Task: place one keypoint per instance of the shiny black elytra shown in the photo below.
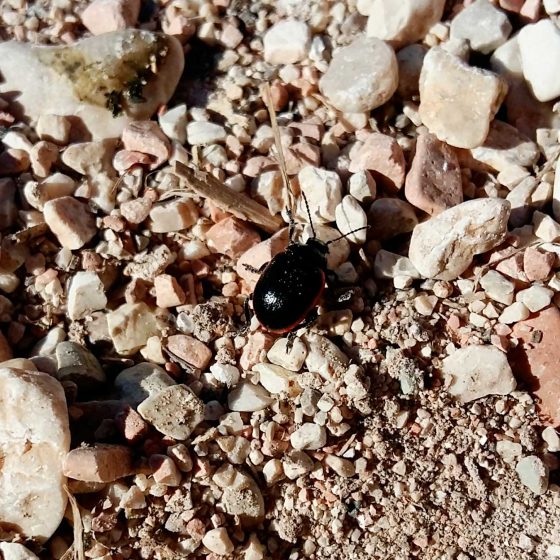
(290, 286)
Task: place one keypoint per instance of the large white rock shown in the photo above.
(362, 76)
(483, 25)
(403, 22)
(539, 46)
(77, 80)
(457, 101)
(478, 371)
(34, 439)
(443, 247)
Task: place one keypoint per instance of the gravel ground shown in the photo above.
(151, 153)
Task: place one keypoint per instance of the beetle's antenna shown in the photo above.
(308, 214)
(347, 234)
(278, 143)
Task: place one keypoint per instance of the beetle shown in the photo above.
(291, 285)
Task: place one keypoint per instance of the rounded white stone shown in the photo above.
(362, 76)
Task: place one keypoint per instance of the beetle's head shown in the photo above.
(318, 246)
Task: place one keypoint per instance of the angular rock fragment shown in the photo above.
(86, 294)
(444, 246)
(457, 101)
(137, 383)
(478, 371)
(404, 22)
(70, 221)
(130, 326)
(483, 25)
(174, 411)
(535, 360)
(433, 182)
(99, 463)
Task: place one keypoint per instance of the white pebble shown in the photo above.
(533, 473)
(362, 76)
(351, 216)
(535, 297)
(286, 42)
(514, 313)
(539, 46)
(309, 436)
(247, 397)
(204, 132)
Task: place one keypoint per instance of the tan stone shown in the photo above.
(231, 237)
(190, 350)
(70, 221)
(383, 156)
(457, 101)
(174, 411)
(34, 438)
(98, 463)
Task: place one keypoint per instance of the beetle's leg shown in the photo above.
(291, 337)
(254, 269)
(248, 316)
(309, 319)
(291, 225)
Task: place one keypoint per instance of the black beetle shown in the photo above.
(288, 291)
(291, 285)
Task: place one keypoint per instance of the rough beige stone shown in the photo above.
(403, 22)
(174, 411)
(130, 326)
(443, 247)
(478, 371)
(70, 221)
(190, 350)
(483, 25)
(457, 101)
(362, 76)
